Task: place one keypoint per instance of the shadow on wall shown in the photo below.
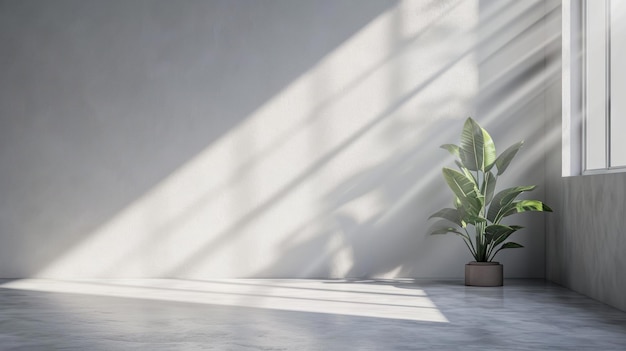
(103, 100)
(228, 139)
(376, 219)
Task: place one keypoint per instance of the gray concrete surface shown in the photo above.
(302, 315)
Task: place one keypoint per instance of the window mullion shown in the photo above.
(607, 76)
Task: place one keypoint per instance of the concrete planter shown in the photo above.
(483, 274)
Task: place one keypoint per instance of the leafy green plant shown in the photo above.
(475, 204)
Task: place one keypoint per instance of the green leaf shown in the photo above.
(461, 186)
(462, 213)
(450, 214)
(518, 190)
(489, 186)
(466, 171)
(464, 189)
(495, 231)
(453, 149)
(489, 151)
(472, 146)
(502, 200)
(510, 245)
(440, 227)
(502, 162)
(477, 150)
(524, 206)
(532, 205)
(500, 239)
(472, 219)
(507, 245)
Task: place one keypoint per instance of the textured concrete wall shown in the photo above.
(257, 139)
(586, 252)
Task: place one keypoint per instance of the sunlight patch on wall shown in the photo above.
(284, 192)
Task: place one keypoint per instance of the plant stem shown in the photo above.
(473, 249)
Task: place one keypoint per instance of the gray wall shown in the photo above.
(258, 139)
(586, 248)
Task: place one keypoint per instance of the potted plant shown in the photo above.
(477, 206)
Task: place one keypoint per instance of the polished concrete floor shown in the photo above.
(302, 315)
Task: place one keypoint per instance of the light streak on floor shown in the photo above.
(315, 296)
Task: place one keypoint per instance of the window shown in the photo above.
(603, 85)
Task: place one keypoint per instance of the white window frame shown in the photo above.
(575, 117)
(571, 141)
